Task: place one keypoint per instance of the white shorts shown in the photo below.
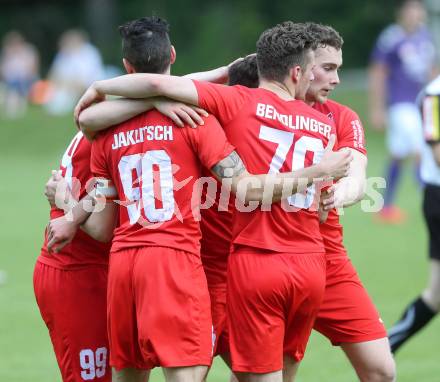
(404, 133)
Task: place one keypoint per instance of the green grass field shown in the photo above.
(391, 260)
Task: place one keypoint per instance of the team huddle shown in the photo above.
(217, 192)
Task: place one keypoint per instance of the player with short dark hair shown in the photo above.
(244, 72)
(274, 55)
(134, 49)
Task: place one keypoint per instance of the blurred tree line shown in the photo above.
(206, 33)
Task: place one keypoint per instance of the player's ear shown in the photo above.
(172, 55)
(128, 67)
(295, 73)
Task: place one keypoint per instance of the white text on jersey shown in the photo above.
(301, 122)
(146, 133)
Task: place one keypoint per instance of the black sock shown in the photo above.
(415, 317)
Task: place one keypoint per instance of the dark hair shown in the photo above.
(146, 44)
(282, 47)
(244, 72)
(325, 35)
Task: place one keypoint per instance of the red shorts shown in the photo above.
(347, 314)
(273, 299)
(73, 306)
(159, 312)
(218, 309)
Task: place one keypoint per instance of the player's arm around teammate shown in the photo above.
(138, 85)
(147, 85)
(104, 114)
(249, 187)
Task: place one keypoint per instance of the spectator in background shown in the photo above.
(77, 64)
(19, 67)
(402, 62)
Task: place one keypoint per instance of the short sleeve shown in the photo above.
(98, 163)
(350, 131)
(225, 102)
(209, 142)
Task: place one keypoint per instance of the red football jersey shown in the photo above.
(83, 250)
(272, 135)
(154, 166)
(350, 133)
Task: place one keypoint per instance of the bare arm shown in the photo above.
(107, 113)
(283, 185)
(101, 223)
(144, 85)
(62, 230)
(139, 85)
(217, 76)
(93, 206)
(102, 115)
(248, 187)
(350, 189)
(377, 74)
